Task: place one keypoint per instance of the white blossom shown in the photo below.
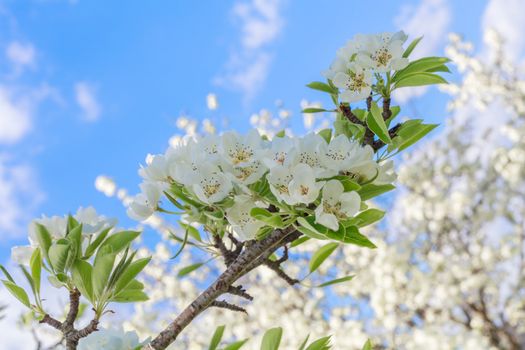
(336, 205)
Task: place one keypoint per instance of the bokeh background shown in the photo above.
(90, 87)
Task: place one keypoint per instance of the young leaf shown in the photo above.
(320, 344)
(29, 279)
(120, 240)
(192, 231)
(130, 273)
(303, 344)
(317, 85)
(369, 191)
(101, 272)
(236, 346)
(368, 345)
(130, 296)
(17, 292)
(376, 123)
(410, 136)
(216, 338)
(421, 65)
(411, 47)
(307, 229)
(420, 79)
(6, 273)
(321, 255)
(35, 264)
(335, 281)
(82, 275)
(326, 134)
(43, 238)
(90, 250)
(189, 269)
(350, 235)
(314, 110)
(369, 216)
(58, 255)
(272, 339)
(271, 219)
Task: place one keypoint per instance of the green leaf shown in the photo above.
(35, 264)
(321, 255)
(29, 279)
(184, 241)
(376, 123)
(349, 129)
(17, 292)
(271, 219)
(326, 134)
(216, 338)
(130, 273)
(307, 229)
(130, 296)
(189, 269)
(6, 273)
(101, 272)
(314, 110)
(71, 224)
(305, 341)
(317, 85)
(43, 238)
(370, 190)
(411, 47)
(350, 235)
(192, 231)
(420, 79)
(335, 281)
(420, 66)
(369, 216)
(347, 182)
(58, 255)
(90, 250)
(368, 345)
(82, 275)
(120, 240)
(320, 344)
(299, 241)
(236, 346)
(410, 134)
(272, 339)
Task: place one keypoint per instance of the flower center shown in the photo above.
(240, 154)
(304, 190)
(382, 57)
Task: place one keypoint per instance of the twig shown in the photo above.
(225, 305)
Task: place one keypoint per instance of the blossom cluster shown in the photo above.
(361, 58)
(92, 223)
(229, 171)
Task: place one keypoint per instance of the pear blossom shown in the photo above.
(336, 205)
(383, 52)
(242, 223)
(240, 150)
(310, 150)
(92, 224)
(280, 152)
(211, 185)
(356, 83)
(279, 178)
(145, 203)
(304, 188)
(156, 168)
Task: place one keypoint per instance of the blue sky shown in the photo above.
(91, 87)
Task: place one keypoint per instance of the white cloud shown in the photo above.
(19, 195)
(431, 19)
(15, 118)
(260, 25)
(86, 99)
(21, 54)
(506, 18)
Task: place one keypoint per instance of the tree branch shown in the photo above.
(252, 256)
